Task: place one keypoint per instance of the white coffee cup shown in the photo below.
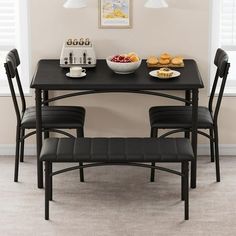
(76, 71)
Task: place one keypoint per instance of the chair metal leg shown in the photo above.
(211, 131)
(50, 182)
(22, 146)
(17, 152)
(217, 161)
(185, 172)
(187, 134)
(46, 134)
(154, 133)
(47, 189)
(80, 133)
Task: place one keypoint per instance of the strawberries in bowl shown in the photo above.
(124, 64)
(121, 59)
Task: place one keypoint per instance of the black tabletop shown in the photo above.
(50, 76)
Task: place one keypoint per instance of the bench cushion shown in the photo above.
(120, 150)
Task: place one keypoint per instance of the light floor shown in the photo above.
(118, 201)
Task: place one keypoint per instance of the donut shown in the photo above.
(164, 61)
(177, 61)
(165, 56)
(152, 60)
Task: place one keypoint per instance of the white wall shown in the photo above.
(181, 29)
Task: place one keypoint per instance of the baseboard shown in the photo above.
(9, 150)
(224, 149)
(203, 150)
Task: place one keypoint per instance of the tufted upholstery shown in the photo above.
(120, 150)
(61, 117)
(178, 117)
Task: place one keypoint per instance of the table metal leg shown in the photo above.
(187, 97)
(194, 138)
(45, 98)
(38, 100)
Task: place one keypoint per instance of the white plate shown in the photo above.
(83, 74)
(153, 73)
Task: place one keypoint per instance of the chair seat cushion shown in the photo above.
(178, 117)
(120, 150)
(61, 117)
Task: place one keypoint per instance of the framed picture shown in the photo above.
(115, 14)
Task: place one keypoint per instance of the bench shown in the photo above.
(117, 151)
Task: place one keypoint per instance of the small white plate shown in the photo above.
(83, 74)
(153, 73)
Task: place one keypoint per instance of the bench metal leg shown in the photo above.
(80, 133)
(185, 169)
(182, 182)
(152, 178)
(47, 189)
(154, 133)
(81, 172)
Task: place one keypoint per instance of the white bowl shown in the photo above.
(123, 68)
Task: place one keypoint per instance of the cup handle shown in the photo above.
(84, 70)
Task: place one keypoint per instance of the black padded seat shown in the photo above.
(116, 151)
(121, 150)
(62, 117)
(179, 117)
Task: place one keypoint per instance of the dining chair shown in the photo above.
(54, 118)
(179, 118)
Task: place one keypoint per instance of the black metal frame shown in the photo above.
(184, 180)
(187, 100)
(13, 61)
(221, 61)
(145, 92)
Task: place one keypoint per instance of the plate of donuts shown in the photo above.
(165, 60)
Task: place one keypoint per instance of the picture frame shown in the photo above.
(115, 14)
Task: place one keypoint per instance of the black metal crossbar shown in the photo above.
(116, 164)
(116, 91)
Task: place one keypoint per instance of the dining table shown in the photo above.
(49, 76)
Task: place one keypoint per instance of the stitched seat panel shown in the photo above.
(116, 150)
(178, 117)
(55, 117)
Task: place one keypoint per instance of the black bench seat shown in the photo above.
(116, 150)
(123, 151)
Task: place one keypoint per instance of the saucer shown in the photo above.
(83, 74)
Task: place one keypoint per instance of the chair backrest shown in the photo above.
(12, 62)
(221, 62)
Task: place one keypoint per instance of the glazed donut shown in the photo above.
(177, 61)
(165, 56)
(152, 60)
(164, 61)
